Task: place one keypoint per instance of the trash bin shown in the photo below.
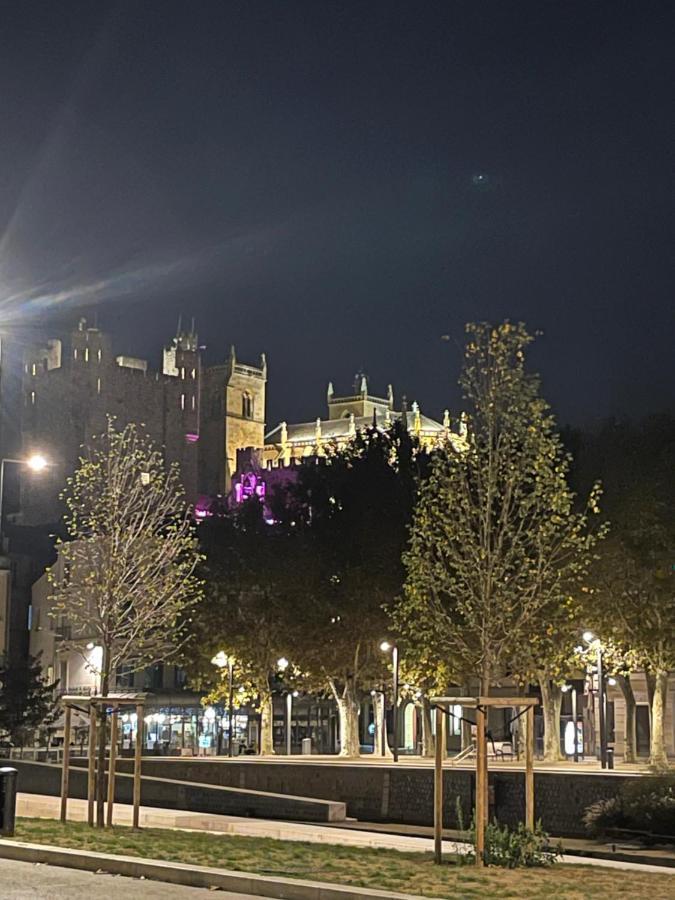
(306, 746)
(7, 801)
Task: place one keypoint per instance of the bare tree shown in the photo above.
(127, 571)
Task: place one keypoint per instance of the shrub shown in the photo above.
(644, 804)
(520, 847)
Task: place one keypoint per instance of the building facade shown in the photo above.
(346, 415)
(200, 415)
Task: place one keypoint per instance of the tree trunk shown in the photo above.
(101, 736)
(348, 709)
(485, 678)
(428, 743)
(380, 746)
(629, 724)
(650, 679)
(658, 758)
(266, 727)
(551, 696)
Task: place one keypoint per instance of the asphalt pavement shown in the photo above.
(29, 881)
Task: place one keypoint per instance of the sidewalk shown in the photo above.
(355, 834)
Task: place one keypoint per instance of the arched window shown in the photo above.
(247, 406)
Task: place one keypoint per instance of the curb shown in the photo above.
(191, 876)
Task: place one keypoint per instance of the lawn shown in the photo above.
(413, 873)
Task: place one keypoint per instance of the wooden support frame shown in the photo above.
(482, 706)
(90, 706)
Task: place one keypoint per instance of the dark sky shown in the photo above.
(339, 184)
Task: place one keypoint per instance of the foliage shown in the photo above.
(632, 602)
(244, 612)
(126, 574)
(352, 527)
(498, 548)
(645, 804)
(27, 699)
(517, 848)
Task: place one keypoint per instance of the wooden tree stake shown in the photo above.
(438, 784)
(65, 771)
(137, 765)
(529, 770)
(111, 768)
(91, 767)
(481, 785)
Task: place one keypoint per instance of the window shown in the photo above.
(32, 397)
(86, 354)
(194, 373)
(98, 385)
(247, 406)
(75, 353)
(33, 369)
(182, 401)
(192, 402)
(98, 354)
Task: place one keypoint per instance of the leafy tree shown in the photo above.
(27, 699)
(497, 545)
(632, 604)
(244, 612)
(126, 574)
(352, 527)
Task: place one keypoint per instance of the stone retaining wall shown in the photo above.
(405, 794)
(172, 793)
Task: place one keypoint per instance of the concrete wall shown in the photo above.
(43, 778)
(405, 794)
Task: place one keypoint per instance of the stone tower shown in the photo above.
(233, 419)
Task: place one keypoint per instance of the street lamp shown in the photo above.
(221, 660)
(282, 665)
(592, 640)
(385, 647)
(36, 463)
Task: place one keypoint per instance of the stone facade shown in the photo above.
(198, 414)
(348, 414)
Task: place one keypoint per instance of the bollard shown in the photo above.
(7, 801)
(610, 757)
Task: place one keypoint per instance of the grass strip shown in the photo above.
(412, 873)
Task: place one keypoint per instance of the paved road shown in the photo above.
(37, 882)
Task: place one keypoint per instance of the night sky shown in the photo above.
(340, 184)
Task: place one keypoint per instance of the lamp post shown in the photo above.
(592, 640)
(221, 660)
(36, 463)
(282, 665)
(385, 647)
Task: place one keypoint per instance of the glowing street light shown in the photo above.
(282, 664)
(36, 463)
